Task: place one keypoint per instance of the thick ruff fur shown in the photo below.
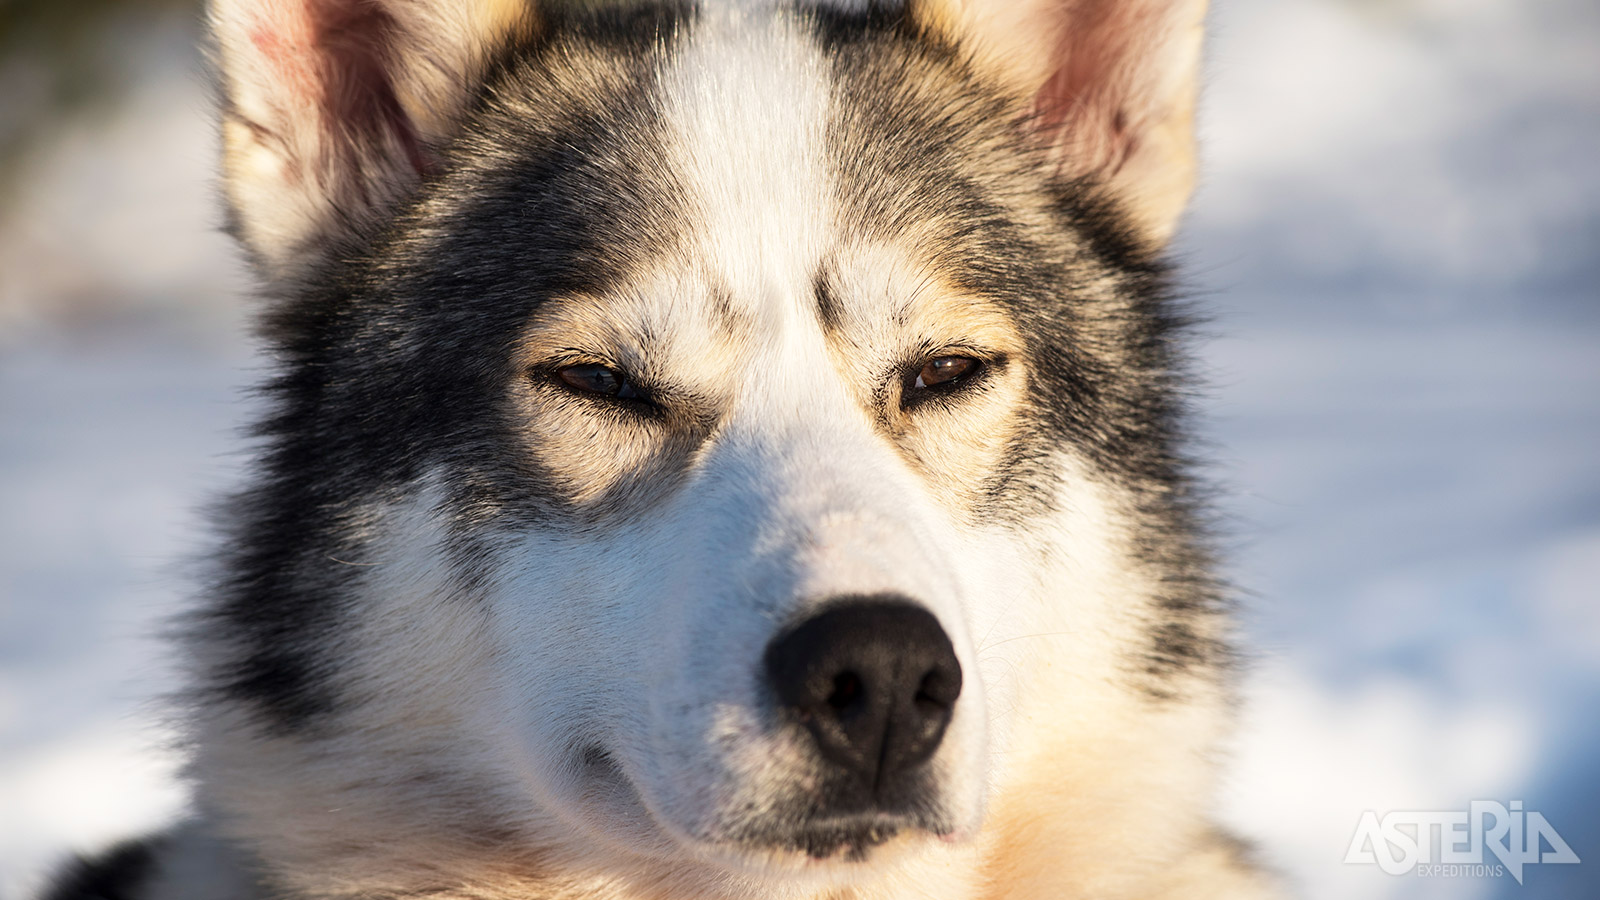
(609, 345)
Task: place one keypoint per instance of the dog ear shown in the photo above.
(1113, 86)
(332, 109)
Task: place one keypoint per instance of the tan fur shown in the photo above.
(896, 310)
(680, 351)
(695, 357)
(1098, 802)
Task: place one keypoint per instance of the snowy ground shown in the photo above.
(1399, 232)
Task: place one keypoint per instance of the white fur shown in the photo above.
(471, 708)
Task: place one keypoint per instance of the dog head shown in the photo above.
(702, 436)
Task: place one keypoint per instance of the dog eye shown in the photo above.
(591, 378)
(946, 371)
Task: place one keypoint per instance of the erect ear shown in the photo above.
(332, 109)
(1113, 85)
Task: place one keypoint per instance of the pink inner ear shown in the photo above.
(285, 43)
(335, 56)
(1092, 103)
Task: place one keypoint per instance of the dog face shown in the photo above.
(709, 443)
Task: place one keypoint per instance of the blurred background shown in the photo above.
(1398, 235)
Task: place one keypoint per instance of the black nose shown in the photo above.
(874, 679)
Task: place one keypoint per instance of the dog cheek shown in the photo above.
(561, 630)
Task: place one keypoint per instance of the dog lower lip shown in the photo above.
(848, 839)
(852, 843)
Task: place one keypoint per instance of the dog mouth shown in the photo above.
(797, 835)
(849, 840)
(607, 789)
(606, 785)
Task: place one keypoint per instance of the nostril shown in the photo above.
(938, 690)
(846, 691)
(929, 695)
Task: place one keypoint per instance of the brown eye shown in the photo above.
(946, 371)
(591, 378)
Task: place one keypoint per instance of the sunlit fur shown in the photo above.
(477, 634)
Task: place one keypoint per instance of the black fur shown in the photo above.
(120, 873)
(1109, 367)
(396, 355)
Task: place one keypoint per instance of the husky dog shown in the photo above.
(729, 451)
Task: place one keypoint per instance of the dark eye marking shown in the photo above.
(601, 381)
